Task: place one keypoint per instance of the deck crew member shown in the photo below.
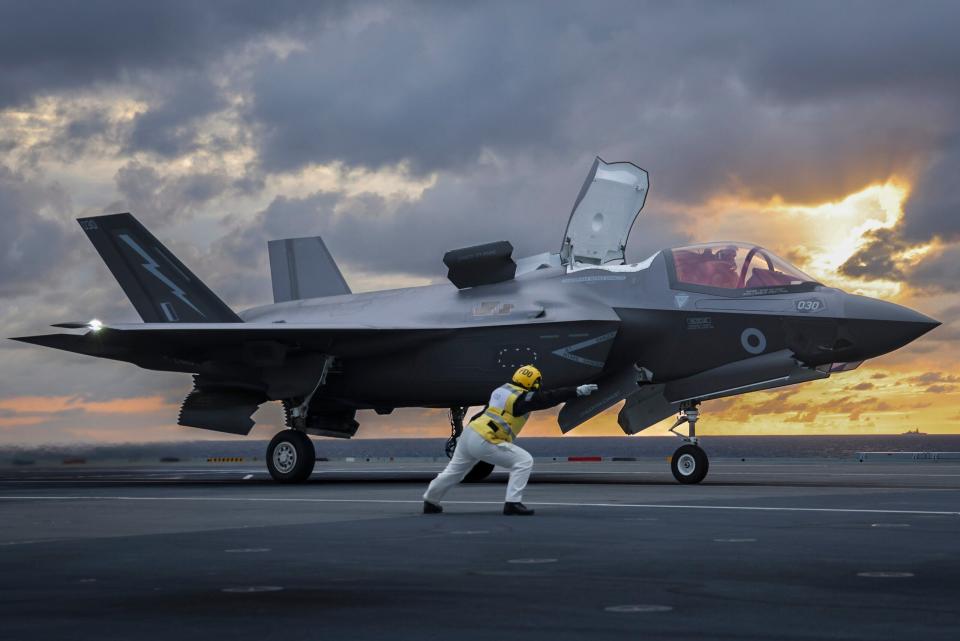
(490, 436)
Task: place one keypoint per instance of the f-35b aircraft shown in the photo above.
(686, 325)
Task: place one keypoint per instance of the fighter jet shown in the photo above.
(684, 326)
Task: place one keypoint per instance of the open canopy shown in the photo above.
(609, 201)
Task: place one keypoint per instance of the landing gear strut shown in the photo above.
(481, 470)
(689, 463)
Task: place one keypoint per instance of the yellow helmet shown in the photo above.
(527, 377)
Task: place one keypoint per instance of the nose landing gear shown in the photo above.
(689, 463)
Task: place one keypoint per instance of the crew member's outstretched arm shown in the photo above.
(538, 400)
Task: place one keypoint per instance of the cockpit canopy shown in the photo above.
(739, 268)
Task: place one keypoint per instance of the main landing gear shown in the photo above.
(481, 470)
(290, 457)
(689, 463)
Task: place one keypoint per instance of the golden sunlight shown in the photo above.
(817, 238)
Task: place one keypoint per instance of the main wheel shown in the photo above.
(479, 472)
(689, 464)
(290, 457)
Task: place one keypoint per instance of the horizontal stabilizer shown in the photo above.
(303, 268)
(160, 287)
(480, 264)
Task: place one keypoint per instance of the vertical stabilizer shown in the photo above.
(160, 287)
(303, 268)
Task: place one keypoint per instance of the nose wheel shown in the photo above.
(689, 463)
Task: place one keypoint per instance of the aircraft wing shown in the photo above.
(769, 371)
(647, 404)
(181, 346)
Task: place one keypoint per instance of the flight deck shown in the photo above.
(762, 549)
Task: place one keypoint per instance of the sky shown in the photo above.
(827, 131)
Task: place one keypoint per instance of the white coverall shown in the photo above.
(473, 448)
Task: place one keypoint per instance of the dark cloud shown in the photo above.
(33, 244)
(156, 197)
(688, 91)
(933, 209)
(169, 127)
(433, 88)
(928, 378)
(938, 271)
(54, 45)
(877, 259)
(828, 50)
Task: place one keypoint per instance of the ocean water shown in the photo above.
(831, 447)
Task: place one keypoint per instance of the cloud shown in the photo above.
(928, 378)
(51, 46)
(940, 270)
(153, 195)
(33, 244)
(877, 258)
(169, 127)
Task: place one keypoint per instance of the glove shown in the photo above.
(586, 390)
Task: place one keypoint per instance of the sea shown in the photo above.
(739, 447)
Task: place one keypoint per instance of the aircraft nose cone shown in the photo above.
(877, 327)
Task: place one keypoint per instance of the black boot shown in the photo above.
(432, 508)
(517, 508)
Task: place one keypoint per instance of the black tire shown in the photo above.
(290, 457)
(689, 464)
(479, 473)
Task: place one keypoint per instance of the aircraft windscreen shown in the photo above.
(735, 266)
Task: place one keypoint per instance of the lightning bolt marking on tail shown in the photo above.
(153, 267)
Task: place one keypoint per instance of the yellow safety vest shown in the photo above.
(498, 424)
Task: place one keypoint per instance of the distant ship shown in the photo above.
(914, 432)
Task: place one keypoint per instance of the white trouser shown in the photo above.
(472, 448)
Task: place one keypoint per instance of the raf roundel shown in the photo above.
(753, 340)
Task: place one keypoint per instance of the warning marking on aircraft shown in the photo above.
(652, 506)
(885, 575)
(247, 550)
(254, 588)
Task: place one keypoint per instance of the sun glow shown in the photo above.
(819, 238)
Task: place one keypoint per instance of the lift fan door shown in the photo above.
(609, 201)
